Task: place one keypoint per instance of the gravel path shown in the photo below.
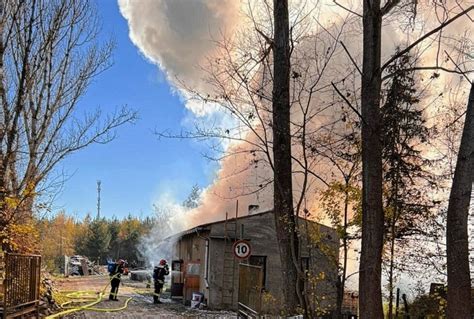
(141, 306)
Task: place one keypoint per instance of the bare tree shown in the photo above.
(50, 55)
(459, 281)
(285, 219)
(240, 82)
(372, 75)
(341, 200)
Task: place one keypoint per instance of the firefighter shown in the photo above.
(159, 274)
(115, 274)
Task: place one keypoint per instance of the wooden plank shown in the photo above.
(22, 312)
(85, 268)
(250, 286)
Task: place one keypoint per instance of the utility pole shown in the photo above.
(98, 199)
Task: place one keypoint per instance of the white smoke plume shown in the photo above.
(158, 244)
(177, 35)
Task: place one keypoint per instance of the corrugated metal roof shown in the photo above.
(190, 231)
(205, 227)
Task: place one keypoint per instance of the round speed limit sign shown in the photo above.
(242, 249)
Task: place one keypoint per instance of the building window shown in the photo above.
(260, 261)
(193, 269)
(177, 265)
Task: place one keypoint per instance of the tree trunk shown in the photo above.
(345, 247)
(3, 191)
(393, 229)
(390, 274)
(370, 292)
(283, 192)
(459, 281)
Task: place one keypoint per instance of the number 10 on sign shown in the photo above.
(242, 249)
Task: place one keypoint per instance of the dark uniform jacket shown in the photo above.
(160, 272)
(118, 271)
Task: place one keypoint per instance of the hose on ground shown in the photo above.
(75, 301)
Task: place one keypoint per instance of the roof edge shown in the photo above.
(204, 227)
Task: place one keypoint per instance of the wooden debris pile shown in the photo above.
(48, 304)
(81, 266)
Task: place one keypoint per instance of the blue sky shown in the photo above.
(137, 168)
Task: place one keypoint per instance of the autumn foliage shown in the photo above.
(98, 239)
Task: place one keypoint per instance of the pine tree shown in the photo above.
(407, 208)
(98, 240)
(114, 246)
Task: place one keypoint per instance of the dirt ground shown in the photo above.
(140, 306)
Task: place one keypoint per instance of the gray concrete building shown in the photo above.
(204, 262)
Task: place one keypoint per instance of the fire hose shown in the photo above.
(91, 298)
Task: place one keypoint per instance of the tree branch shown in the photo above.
(428, 68)
(350, 57)
(348, 102)
(458, 67)
(424, 37)
(347, 9)
(389, 6)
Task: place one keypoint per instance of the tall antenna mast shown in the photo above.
(98, 198)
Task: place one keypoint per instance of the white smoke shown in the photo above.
(178, 35)
(159, 243)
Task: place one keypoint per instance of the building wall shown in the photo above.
(259, 230)
(322, 248)
(216, 273)
(191, 249)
